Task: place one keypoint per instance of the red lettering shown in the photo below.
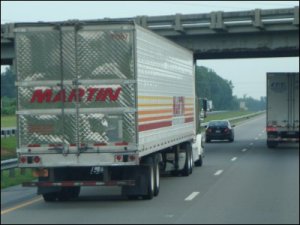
(60, 97)
(103, 93)
(100, 95)
(91, 91)
(73, 95)
(41, 96)
(114, 96)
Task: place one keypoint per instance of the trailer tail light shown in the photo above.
(271, 129)
(36, 159)
(132, 158)
(23, 159)
(118, 158)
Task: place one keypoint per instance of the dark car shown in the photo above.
(219, 130)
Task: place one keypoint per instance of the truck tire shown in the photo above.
(67, 193)
(156, 175)
(50, 197)
(149, 174)
(187, 166)
(271, 144)
(199, 161)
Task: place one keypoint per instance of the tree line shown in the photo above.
(208, 85)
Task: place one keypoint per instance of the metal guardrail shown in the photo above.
(11, 164)
(238, 117)
(8, 131)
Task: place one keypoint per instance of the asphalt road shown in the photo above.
(242, 182)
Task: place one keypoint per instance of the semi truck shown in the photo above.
(282, 125)
(103, 103)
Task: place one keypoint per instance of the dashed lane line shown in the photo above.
(192, 196)
(218, 172)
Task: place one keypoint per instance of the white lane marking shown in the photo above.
(218, 172)
(256, 138)
(243, 150)
(251, 143)
(260, 134)
(233, 159)
(192, 196)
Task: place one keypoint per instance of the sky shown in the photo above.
(247, 75)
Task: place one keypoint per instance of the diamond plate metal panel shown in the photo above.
(105, 54)
(38, 55)
(40, 129)
(102, 128)
(72, 58)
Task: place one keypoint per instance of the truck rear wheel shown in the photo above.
(67, 193)
(187, 170)
(199, 161)
(50, 197)
(149, 174)
(156, 174)
(271, 144)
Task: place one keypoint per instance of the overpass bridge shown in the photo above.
(215, 35)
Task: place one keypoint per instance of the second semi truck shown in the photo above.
(282, 108)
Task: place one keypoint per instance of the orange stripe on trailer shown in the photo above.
(189, 109)
(145, 112)
(155, 97)
(154, 105)
(154, 118)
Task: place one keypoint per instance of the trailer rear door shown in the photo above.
(76, 87)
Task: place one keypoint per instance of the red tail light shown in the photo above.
(271, 128)
(209, 130)
(226, 130)
(23, 159)
(36, 159)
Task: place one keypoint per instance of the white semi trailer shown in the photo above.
(103, 103)
(282, 108)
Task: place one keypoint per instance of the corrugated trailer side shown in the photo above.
(282, 123)
(166, 92)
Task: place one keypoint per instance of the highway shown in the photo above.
(242, 182)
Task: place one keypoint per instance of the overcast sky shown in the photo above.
(247, 75)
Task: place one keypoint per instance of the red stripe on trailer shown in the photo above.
(100, 144)
(34, 145)
(121, 143)
(55, 145)
(152, 126)
(74, 145)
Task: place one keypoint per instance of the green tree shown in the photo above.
(8, 79)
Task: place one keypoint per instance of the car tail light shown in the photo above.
(209, 130)
(226, 130)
